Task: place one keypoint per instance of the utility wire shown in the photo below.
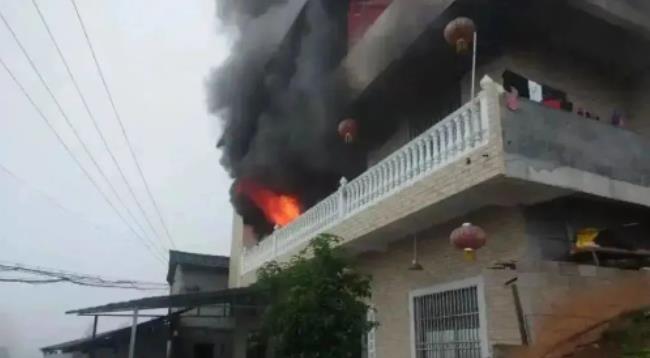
(72, 127)
(92, 118)
(119, 120)
(56, 276)
(46, 196)
(76, 160)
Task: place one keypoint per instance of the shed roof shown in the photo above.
(234, 296)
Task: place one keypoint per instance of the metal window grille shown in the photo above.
(446, 324)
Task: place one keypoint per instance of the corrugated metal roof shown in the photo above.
(234, 296)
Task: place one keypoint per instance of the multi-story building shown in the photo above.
(534, 171)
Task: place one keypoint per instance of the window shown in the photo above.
(447, 322)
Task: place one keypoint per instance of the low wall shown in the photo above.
(561, 300)
(561, 149)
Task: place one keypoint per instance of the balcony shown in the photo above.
(480, 155)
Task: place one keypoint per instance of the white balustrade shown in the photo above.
(453, 137)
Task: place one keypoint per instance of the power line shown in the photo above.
(35, 282)
(119, 120)
(55, 276)
(67, 120)
(69, 123)
(92, 118)
(53, 201)
(76, 160)
(46, 196)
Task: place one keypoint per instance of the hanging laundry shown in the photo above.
(535, 91)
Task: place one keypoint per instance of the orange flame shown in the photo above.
(280, 209)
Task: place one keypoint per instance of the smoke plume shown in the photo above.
(280, 100)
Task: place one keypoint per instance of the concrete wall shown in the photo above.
(235, 250)
(551, 226)
(631, 14)
(585, 85)
(202, 280)
(189, 279)
(562, 138)
(639, 116)
(564, 150)
(560, 300)
(392, 282)
(178, 285)
(387, 40)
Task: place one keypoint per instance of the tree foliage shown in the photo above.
(317, 304)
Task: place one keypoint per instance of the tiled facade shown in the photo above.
(442, 263)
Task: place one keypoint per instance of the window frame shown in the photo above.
(477, 282)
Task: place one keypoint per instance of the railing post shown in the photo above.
(341, 202)
(489, 98)
(275, 246)
(428, 150)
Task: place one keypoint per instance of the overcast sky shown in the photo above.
(155, 55)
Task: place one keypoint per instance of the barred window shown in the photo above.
(446, 324)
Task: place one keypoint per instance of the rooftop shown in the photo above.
(219, 263)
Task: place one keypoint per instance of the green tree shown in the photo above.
(317, 304)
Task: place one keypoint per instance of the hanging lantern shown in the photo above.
(460, 33)
(468, 238)
(348, 129)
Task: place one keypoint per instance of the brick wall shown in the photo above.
(392, 281)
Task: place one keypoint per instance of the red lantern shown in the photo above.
(460, 33)
(468, 238)
(348, 129)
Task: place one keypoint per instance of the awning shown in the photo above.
(245, 297)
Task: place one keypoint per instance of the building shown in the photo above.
(532, 170)
(196, 320)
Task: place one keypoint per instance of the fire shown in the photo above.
(280, 209)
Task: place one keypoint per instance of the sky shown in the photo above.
(155, 55)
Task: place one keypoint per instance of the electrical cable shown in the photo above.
(119, 120)
(76, 160)
(56, 276)
(72, 127)
(93, 119)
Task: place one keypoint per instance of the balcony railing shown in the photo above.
(448, 140)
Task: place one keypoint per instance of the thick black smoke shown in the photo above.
(280, 101)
